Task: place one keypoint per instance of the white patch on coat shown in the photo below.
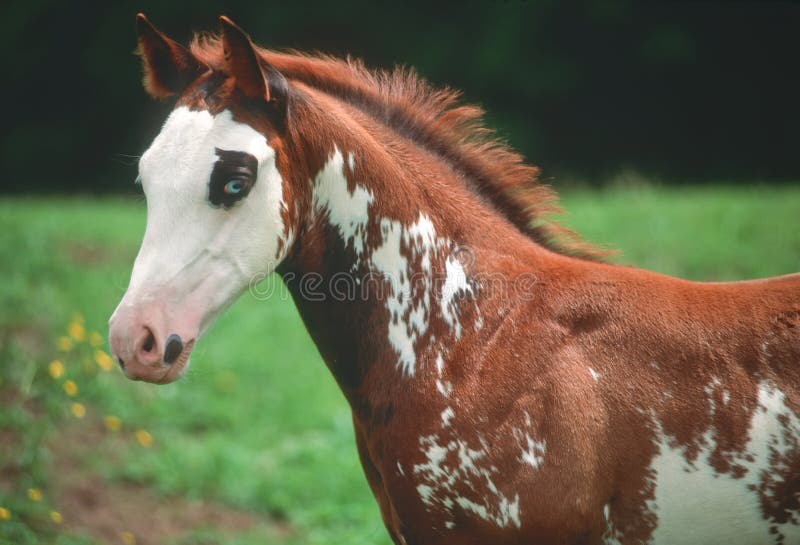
(696, 504)
(389, 260)
(404, 256)
(439, 364)
(595, 374)
(347, 211)
(532, 452)
(409, 311)
(447, 415)
(421, 235)
(455, 282)
(611, 536)
(456, 475)
(444, 387)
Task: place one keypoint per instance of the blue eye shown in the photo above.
(234, 186)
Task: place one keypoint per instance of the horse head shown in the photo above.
(217, 205)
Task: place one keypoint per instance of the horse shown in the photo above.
(507, 383)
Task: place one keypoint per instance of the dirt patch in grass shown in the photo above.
(95, 254)
(112, 512)
(9, 451)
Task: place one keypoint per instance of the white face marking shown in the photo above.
(731, 512)
(203, 256)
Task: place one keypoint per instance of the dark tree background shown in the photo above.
(681, 91)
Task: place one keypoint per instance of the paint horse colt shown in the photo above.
(506, 386)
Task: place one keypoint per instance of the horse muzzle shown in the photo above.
(148, 346)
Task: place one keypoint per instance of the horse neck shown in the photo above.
(394, 246)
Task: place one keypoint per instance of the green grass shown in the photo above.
(258, 424)
(704, 233)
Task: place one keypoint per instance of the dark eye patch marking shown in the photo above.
(232, 178)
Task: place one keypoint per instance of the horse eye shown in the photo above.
(234, 186)
(232, 177)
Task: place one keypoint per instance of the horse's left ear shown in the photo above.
(254, 76)
(168, 66)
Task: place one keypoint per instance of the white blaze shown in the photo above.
(204, 256)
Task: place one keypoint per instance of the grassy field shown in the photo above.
(255, 444)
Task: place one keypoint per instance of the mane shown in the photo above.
(436, 119)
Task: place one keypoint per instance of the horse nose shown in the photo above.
(172, 349)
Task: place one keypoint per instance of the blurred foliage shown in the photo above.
(257, 427)
(681, 91)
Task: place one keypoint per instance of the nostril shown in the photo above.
(173, 349)
(149, 342)
(121, 363)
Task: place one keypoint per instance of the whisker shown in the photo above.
(125, 159)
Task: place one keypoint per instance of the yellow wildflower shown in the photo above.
(103, 360)
(78, 410)
(127, 538)
(64, 344)
(77, 331)
(56, 517)
(144, 438)
(5, 514)
(95, 339)
(35, 494)
(56, 369)
(70, 387)
(113, 423)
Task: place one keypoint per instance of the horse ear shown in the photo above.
(168, 66)
(254, 76)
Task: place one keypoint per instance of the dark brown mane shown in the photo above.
(437, 120)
